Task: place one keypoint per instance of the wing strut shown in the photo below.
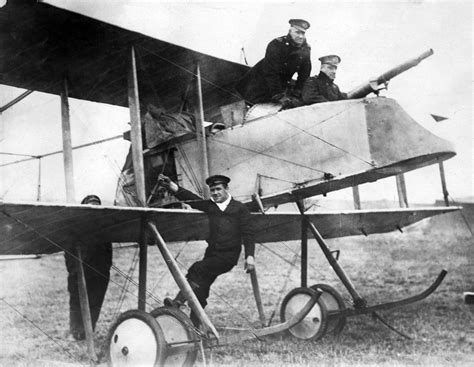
(138, 168)
(67, 145)
(358, 300)
(201, 134)
(360, 304)
(181, 280)
(85, 308)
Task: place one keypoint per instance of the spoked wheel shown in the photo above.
(136, 339)
(314, 325)
(333, 302)
(178, 330)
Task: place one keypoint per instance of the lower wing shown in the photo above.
(39, 228)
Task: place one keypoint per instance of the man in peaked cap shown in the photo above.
(230, 225)
(321, 88)
(270, 79)
(97, 261)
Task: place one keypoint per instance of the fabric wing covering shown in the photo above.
(32, 228)
(42, 43)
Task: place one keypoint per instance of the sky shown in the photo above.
(370, 37)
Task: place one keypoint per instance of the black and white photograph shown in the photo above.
(236, 183)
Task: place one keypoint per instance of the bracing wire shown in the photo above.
(42, 331)
(462, 215)
(285, 284)
(73, 255)
(279, 117)
(190, 72)
(131, 270)
(266, 155)
(233, 308)
(327, 142)
(194, 180)
(158, 281)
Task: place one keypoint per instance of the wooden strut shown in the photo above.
(443, 183)
(70, 198)
(358, 300)
(201, 134)
(138, 169)
(360, 306)
(304, 253)
(252, 334)
(38, 193)
(356, 196)
(85, 309)
(258, 298)
(181, 281)
(402, 191)
(67, 145)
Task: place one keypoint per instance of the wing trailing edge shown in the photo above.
(38, 228)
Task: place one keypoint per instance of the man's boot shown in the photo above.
(180, 298)
(177, 302)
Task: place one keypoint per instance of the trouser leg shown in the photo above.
(76, 327)
(96, 289)
(203, 273)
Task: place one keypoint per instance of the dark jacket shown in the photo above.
(227, 229)
(272, 75)
(321, 89)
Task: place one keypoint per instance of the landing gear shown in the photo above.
(136, 339)
(178, 330)
(314, 325)
(334, 303)
(164, 337)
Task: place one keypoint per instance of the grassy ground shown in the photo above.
(382, 267)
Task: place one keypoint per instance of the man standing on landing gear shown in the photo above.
(229, 226)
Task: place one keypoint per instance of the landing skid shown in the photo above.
(339, 312)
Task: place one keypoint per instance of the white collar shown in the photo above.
(223, 206)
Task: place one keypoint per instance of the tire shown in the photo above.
(177, 327)
(333, 302)
(314, 325)
(136, 338)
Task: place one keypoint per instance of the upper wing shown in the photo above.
(42, 44)
(46, 228)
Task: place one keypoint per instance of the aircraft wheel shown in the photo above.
(136, 339)
(177, 327)
(314, 325)
(333, 302)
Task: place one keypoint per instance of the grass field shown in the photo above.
(382, 268)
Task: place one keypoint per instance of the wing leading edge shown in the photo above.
(42, 44)
(36, 228)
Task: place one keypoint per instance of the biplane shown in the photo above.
(273, 156)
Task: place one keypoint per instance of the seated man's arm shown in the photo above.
(311, 93)
(303, 75)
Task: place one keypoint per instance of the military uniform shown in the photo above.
(321, 89)
(272, 75)
(97, 263)
(228, 229)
